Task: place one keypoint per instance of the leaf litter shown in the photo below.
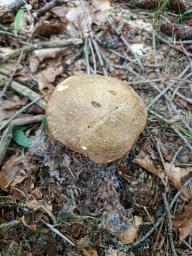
(104, 210)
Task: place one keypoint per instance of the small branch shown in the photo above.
(23, 90)
(42, 45)
(10, 79)
(56, 231)
(47, 7)
(169, 225)
(19, 112)
(10, 224)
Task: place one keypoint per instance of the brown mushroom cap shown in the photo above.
(98, 116)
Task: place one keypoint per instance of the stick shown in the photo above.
(23, 90)
(47, 7)
(18, 112)
(56, 231)
(10, 224)
(169, 225)
(42, 45)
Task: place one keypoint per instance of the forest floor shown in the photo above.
(57, 202)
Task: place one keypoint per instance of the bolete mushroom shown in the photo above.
(100, 117)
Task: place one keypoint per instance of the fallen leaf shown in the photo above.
(183, 223)
(9, 107)
(30, 226)
(11, 173)
(49, 29)
(115, 252)
(47, 53)
(146, 163)
(81, 19)
(34, 64)
(35, 204)
(90, 252)
(60, 11)
(176, 174)
(46, 78)
(131, 232)
(37, 193)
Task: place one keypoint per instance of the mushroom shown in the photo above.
(100, 117)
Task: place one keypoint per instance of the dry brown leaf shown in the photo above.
(81, 19)
(176, 174)
(34, 64)
(30, 226)
(47, 53)
(60, 11)
(9, 107)
(183, 223)
(146, 163)
(11, 173)
(100, 9)
(46, 79)
(89, 252)
(131, 233)
(49, 29)
(34, 204)
(37, 193)
(114, 252)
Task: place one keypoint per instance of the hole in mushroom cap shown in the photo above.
(114, 93)
(95, 104)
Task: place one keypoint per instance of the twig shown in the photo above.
(19, 112)
(97, 49)
(4, 142)
(93, 55)
(9, 81)
(10, 224)
(86, 53)
(31, 48)
(56, 231)
(169, 225)
(23, 90)
(126, 43)
(175, 156)
(182, 137)
(146, 236)
(167, 88)
(155, 53)
(179, 192)
(47, 7)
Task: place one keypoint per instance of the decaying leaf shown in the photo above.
(11, 173)
(174, 174)
(48, 29)
(118, 223)
(90, 252)
(9, 107)
(35, 204)
(115, 252)
(182, 32)
(131, 232)
(145, 162)
(80, 18)
(30, 226)
(47, 53)
(46, 78)
(183, 223)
